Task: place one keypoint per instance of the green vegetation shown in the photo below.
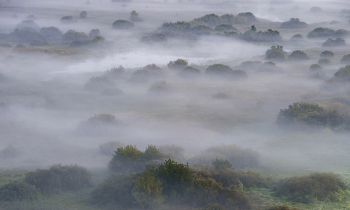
(345, 59)
(275, 53)
(134, 16)
(334, 42)
(122, 24)
(296, 38)
(327, 54)
(293, 23)
(324, 61)
(18, 191)
(178, 64)
(313, 187)
(315, 67)
(298, 55)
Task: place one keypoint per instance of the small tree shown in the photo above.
(178, 64)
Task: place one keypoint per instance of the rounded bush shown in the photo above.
(18, 191)
(345, 59)
(25, 35)
(178, 64)
(93, 33)
(99, 84)
(293, 23)
(189, 72)
(219, 70)
(315, 9)
(67, 19)
(324, 61)
(296, 38)
(298, 55)
(72, 35)
(122, 24)
(334, 42)
(226, 27)
(327, 54)
(315, 67)
(28, 24)
(275, 53)
(160, 87)
(83, 14)
(50, 32)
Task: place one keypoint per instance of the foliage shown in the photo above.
(173, 152)
(213, 206)
(321, 33)
(102, 119)
(174, 176)
(315, 67)
(211, 20)
(293, 23)
(334, 42)
(262, 36)
(28, 24)
(220, 162)
(313, 187)
(226, 176)
(345, 59)
(298, 55)
(245, 18)
(226, 27)
(83, 14)
(219, 70)
(110, 147)
(115, 72)
(9, 152)
(147, 191)
(327, 54)
(343, 74)
(284, 207)
(93, 33)
(134, 16)
(178, 64)
(201, 30)
(160, 87)
(50, 32)
(275, 53)
(18, 191)
(58, 177)
(66, 19)
(116, 190)
(189, 72)
(324, 61)
(72, 35)
(250, 178)
(296, 38)
(26, 35)
(122, 24)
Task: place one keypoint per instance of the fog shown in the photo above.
(46, 101)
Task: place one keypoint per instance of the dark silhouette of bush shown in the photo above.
(110, 147)
(189, 72)
(324, 61)
(296, 38)
(250, 178)
(83, 14)
(160, 87)
(102, 119)
(28, 24)
(9, 152)
(345, 59)
(131, 160)
(315, 67)
(7, 45)
(245, 18)
(117, 190)
(315, 9)
(67, 19)
(58, 178)
(219, 70)
(150, 70)
(99, 83)
(51, 32)
(115, 72)
(220, 162)
(267, 67)
(134, 16)
(147, 190)
(226, 175)
(16, 190)
(275, 53)
(327, 54)
(313, 187)
(262, 36)
(284, 207)
(343, 74)
(334, 42)
(225, 27)
(298, 55)
(122, 24)
(178, 64)
(211, 20)
(227, 19)
(239, 74)
(321, 33)
(25, 35)
(72, 35)
(93, 33)
(293, 23)
(341, 33)
(201, 30)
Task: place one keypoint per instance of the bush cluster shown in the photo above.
(293, 23)
(275, 53)
(334, 42)
(327, 33)
(122, 24)
(18, 191)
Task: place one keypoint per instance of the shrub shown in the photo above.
(250, 178)
(116, 190)
(110, 147)
(9, 152)
(220, 162)
(284, 207)
(334, 42)
(177, 65)
(343, 74)
(213, 206)
(293, 23)
(315, 9)
(275, 53)
(50, 32)
(67, 19)
(202, 30)
(25, 35)
(18, 191)
(211, 20)
(147, 191)
(341, 33)
(28, 24)
(160, 87)
(245, 18)
(296, 38)
(72, 35)
(134, 16)
(7, 45)
(226, 27)
(313, 187)
(46, 181)
(324, 61)
(327, 54)
(83, 14)
(321, 33)
(189, 72)
(122, 24)
(219, 70)
(227, 19)
(345, 59)
(226, 176)
(239, 74)
(93, 33)
(262, 36)
(98, 84)
(315, 67)
(298, 55)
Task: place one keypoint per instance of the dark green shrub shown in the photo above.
(293, 23)
(99, 83)
(296, 38)
(50, 32)
(235, 198)
(262, 36)
(245, 18)
(67, 20)
(177, 65)
(321, 33)
(284, 207)
(201, 30)
(175, 177)
(334, 42)
(220, 162)
(313, 187)
(275, 53)
(226, 27)
(83, 14)
(134, 16)
(226, 176)
(189, 72)
(227, 19)
(315, 67)
(26, 35)
(327, 54)
(324, 61)
(18, 191)
(345, 59)
(147, 190)
(117, 190)
(343, 74)
(115, 72)
(341, 33)
(211, 20)
(28, 24)
(110, 147)
(7, 45)
(219, 70)
(298, 55)
(44, 180)
(122, 24)
(71, 36)
(250, 178)
(213, 206)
